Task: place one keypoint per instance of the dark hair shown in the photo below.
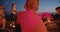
(13, 4)
(57, 8)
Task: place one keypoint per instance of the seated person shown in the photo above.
(45, 16)
(48, 20)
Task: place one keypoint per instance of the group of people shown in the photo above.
(29, 21)
(51, 20)
(3, 19)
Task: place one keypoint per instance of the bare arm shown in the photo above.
(3, 23)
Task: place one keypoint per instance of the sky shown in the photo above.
(48, 5)
(44, 5)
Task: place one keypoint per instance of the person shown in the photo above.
(45, 15)
(57, 16)
(2, 10)
(2, 18)
(28, 20)
(13, 12)
(58, 12)
(2, 22)
(13, 9)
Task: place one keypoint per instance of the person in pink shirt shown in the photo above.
(28, 20)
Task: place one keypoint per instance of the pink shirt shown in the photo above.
(30, 22)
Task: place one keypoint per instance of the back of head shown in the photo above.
(32, 4)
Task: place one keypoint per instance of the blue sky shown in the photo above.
(44, 5)
(48, 5)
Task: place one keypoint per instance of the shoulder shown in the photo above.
(21, 12)
(24, 13)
